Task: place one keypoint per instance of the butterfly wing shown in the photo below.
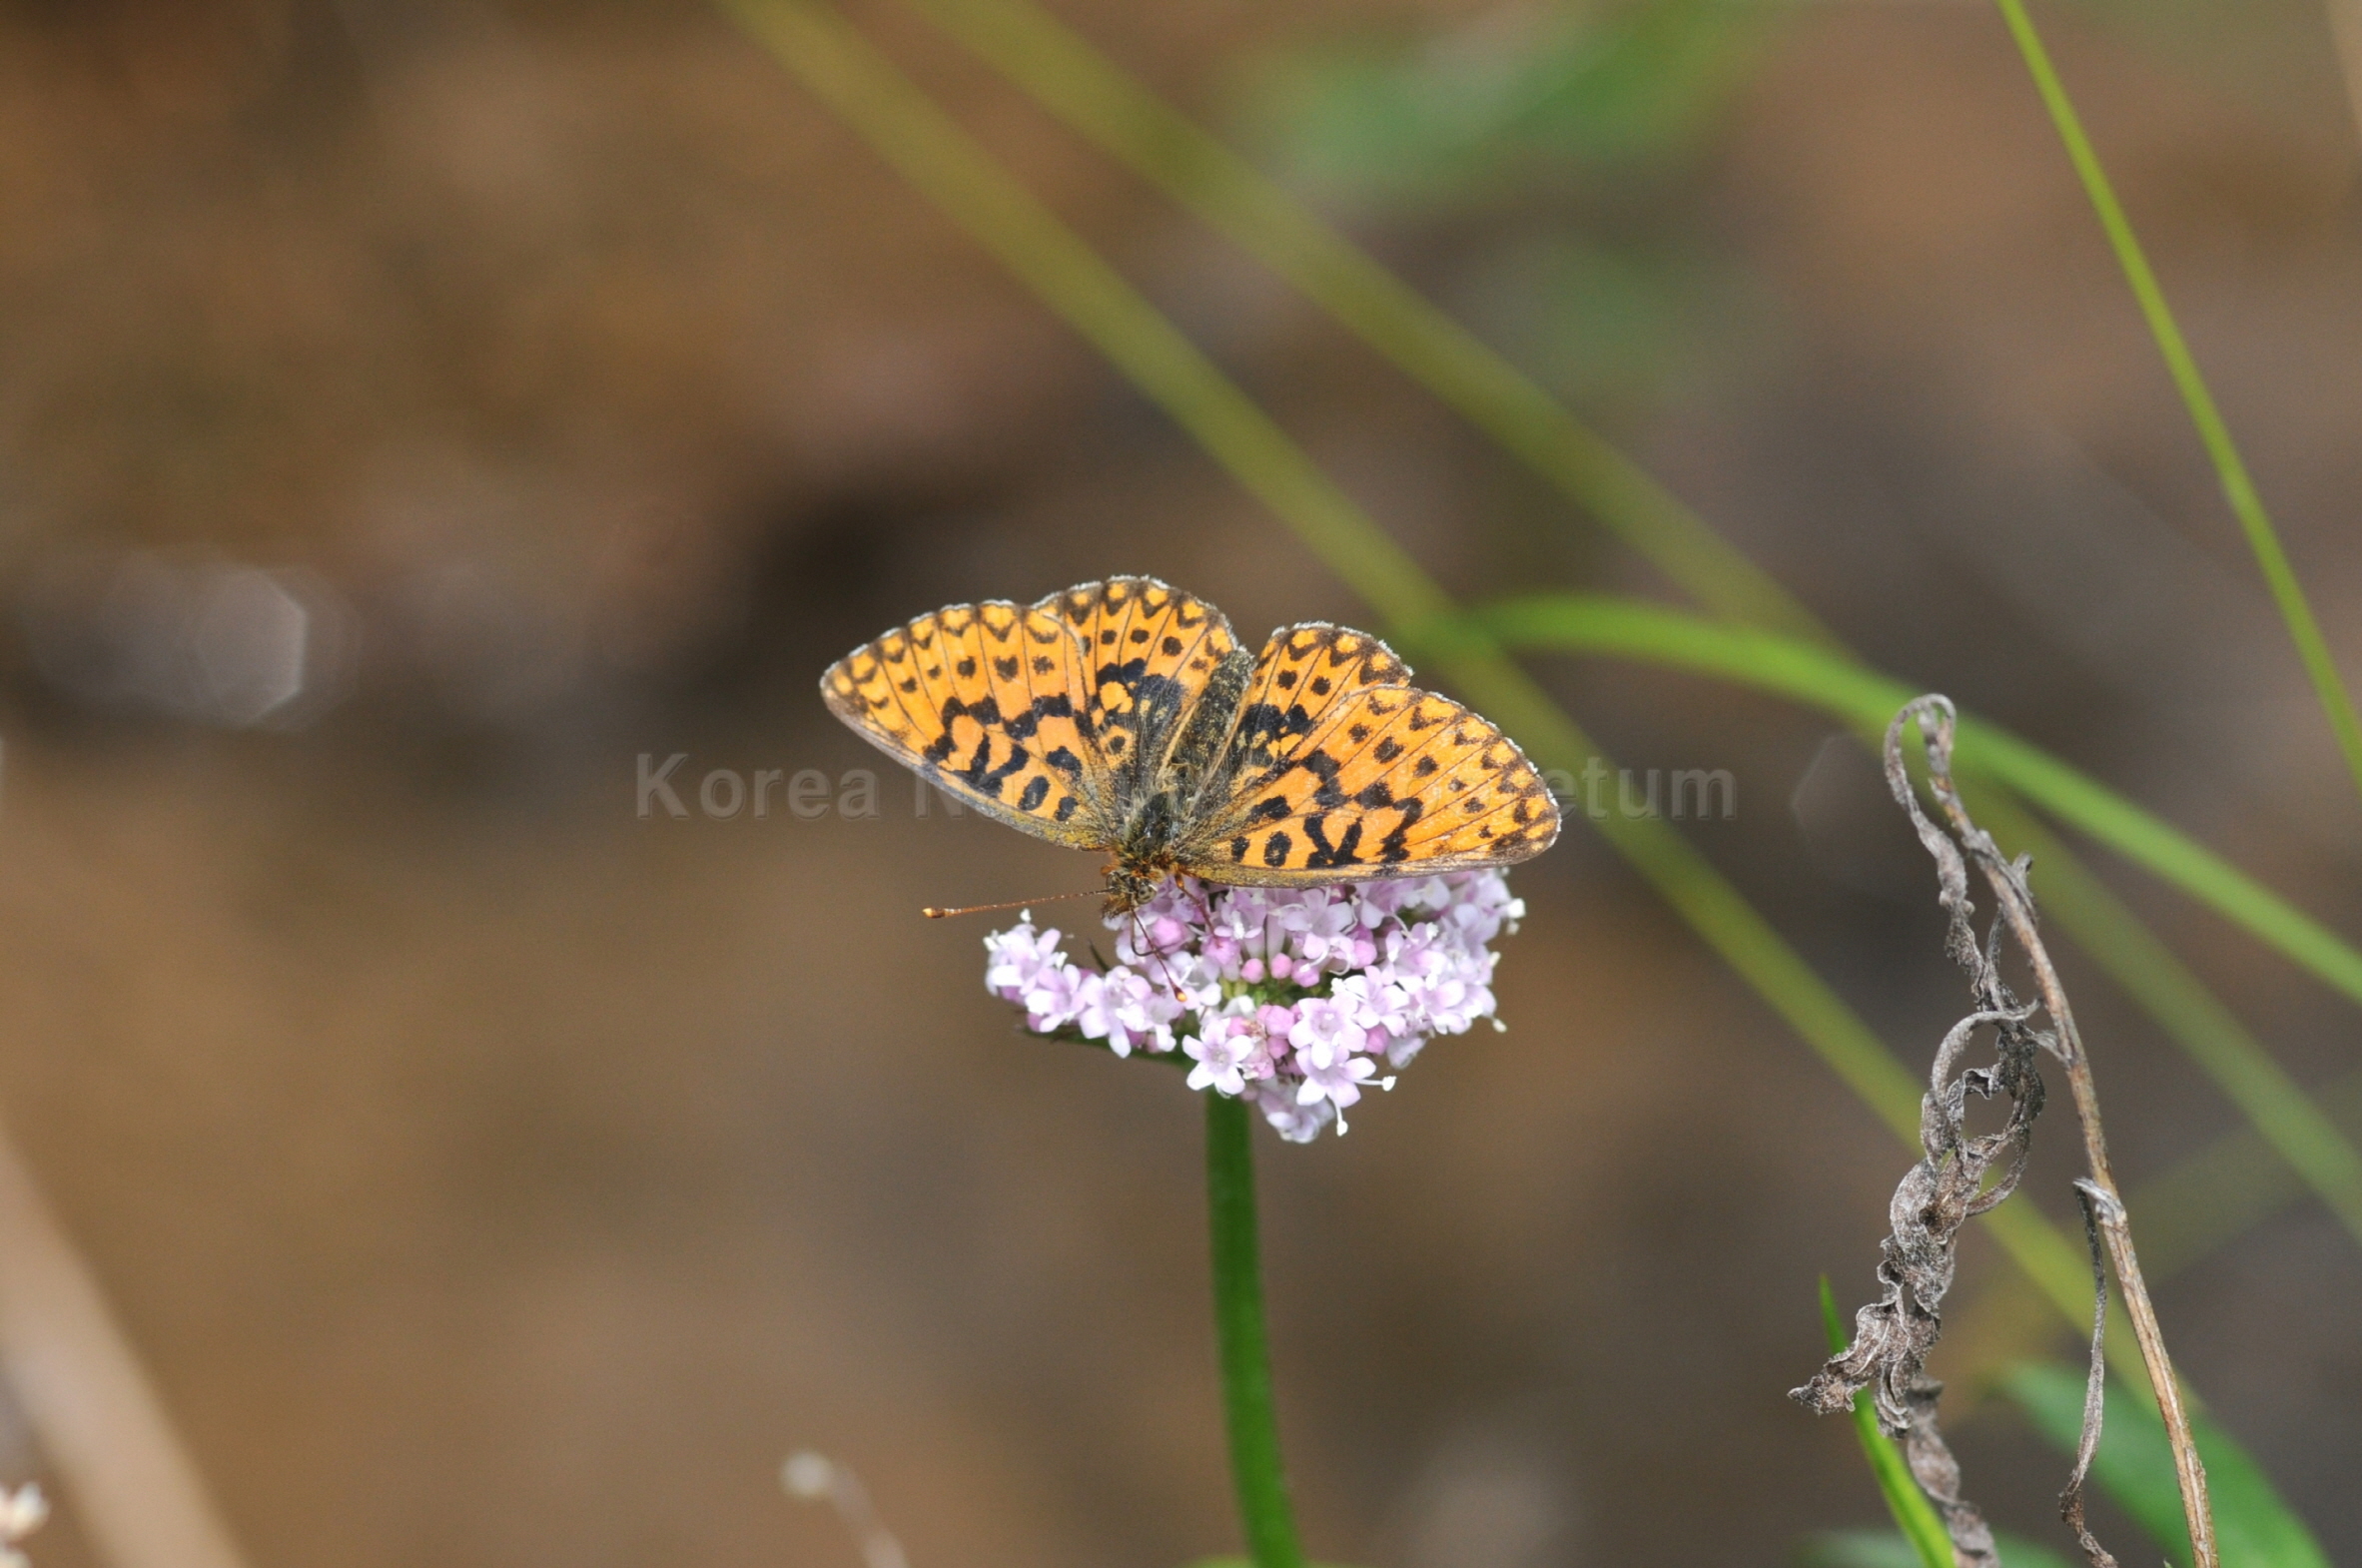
(989, 702)
(1149, 651)
(1303, 671)
(1390, 781)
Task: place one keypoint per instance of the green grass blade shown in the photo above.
(1062, 73)
(1914, 1514)
(2238, 487)
(1630, 628)
(2134, 1467)
(949, 168)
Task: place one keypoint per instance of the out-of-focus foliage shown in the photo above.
(1569, 121)
(1567, 96)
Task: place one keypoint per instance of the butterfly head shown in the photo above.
(1129, 886)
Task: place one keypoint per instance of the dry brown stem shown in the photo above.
(1893, 1335)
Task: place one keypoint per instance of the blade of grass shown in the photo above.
(1913, 1515)
(1062, 73)
(2253, 1526)
(1075, 82)
(947, 166)
(2238, 486)
(1631, 628)
(2294, 1126)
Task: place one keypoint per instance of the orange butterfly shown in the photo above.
(1124, 716)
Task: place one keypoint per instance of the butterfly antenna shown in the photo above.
(931, 913)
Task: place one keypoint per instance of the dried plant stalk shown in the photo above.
(1893, 1335)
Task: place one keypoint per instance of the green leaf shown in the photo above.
(1881, 1549)
(1924, 1538)
(2134, 1467)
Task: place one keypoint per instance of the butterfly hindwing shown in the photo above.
(1391, 781)
(1149, 651)
(991, 702)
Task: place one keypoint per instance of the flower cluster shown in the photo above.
(1290, 998)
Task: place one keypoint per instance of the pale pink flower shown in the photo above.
(1288, 998)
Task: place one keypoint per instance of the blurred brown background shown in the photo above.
(410, 413)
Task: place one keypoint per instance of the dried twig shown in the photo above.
(1893, 1335)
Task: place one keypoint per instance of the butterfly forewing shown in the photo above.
(1302, 673)
(1392, 781)
(991, 702)
(1149, 650)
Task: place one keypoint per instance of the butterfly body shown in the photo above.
(1124, 716)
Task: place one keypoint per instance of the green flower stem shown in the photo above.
(1246, 1348)
(2230, 469)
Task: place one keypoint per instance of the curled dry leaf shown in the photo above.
(1959, 1176)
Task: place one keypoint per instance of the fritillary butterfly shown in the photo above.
(1124, 716)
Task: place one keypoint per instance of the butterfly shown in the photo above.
(1124, 716)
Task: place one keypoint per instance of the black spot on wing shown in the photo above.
(987, 778)
(1323, 767)
(1394, 848)
(1325, 854)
